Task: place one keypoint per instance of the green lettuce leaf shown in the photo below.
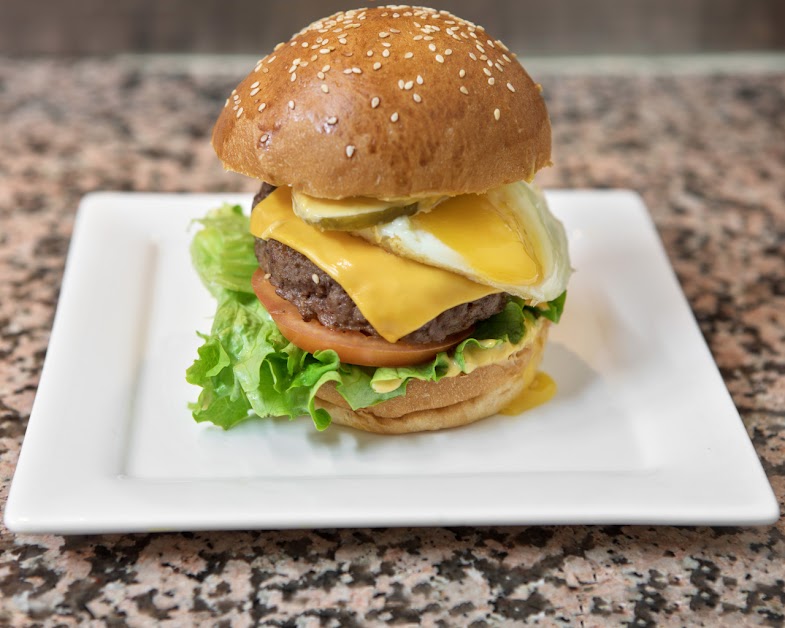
(552, 310)
(245, 367)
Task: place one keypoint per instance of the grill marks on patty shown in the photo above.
(318, 296)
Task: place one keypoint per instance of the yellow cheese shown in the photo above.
(397, 295)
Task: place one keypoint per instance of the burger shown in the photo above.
(399, 270)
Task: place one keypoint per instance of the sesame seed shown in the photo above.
(324, 51)
(226, 104)
(497, 114)
(254, 91)
(294, 77)
(510, 87)
(374, 102)
(254, 85)
(271, 59)
(462, 73)
(262, 106)
(341, 40)
(267, 275)
(487, 72)
(386, 44)
(464, 90)
(428, 38)
(350, 151)
(417, 37)
(347, 71)
(417, 97)
(491, 81)
(394, 117)
(315, 277)
(332, 120)
(507, 59)
(384, 35)
(408, 55)
(264, 138)
(320, 75)
(239, 112)
(432, 47)
(325, 89)
(326, 68)
(408, 85)
(499, 67)
(473, 56)
(401, 83)
(357, 70)
(448, 52)
(394, 30)
(291, 104)
(420, 80)
(369, 53)
(377, 65)
(235, 108)
(440, 58)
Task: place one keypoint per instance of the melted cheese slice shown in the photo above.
(396, 294)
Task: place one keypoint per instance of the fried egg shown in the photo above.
(506, 238)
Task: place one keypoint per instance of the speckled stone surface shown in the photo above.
(707, 154)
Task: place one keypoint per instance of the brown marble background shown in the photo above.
(708, 155)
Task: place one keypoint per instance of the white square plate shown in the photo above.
(642, 429)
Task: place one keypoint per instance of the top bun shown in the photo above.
(388, 102)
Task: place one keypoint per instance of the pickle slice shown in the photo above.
(350, 214)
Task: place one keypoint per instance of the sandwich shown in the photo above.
(399, 270)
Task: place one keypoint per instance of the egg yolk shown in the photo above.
(489, 238)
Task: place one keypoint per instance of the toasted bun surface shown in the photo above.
(386, 102)
(450, 402)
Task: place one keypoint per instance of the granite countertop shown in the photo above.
(708, 155)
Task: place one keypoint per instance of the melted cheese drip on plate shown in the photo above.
(540, 391)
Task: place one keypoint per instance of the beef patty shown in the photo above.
(317, 295)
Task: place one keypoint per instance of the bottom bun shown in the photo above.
(450, 402)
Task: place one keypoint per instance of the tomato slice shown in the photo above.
(352, 347)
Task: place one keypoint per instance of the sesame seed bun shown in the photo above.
(450, 402)
(387, 102)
